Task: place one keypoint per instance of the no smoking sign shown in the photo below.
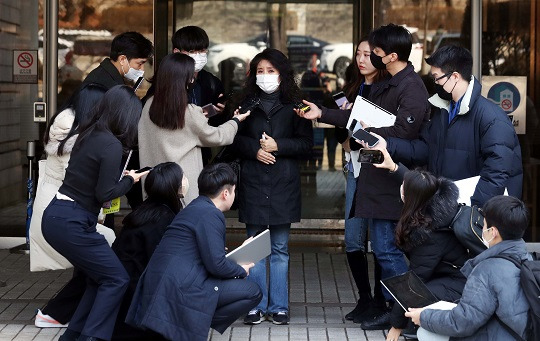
(25, 68)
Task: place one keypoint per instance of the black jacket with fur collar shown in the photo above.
(435, 254)
(431, 250)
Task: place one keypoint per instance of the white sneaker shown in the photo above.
(45, 321)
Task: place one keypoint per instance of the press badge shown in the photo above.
(112, 206)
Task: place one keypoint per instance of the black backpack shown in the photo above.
(530, 283)
(467, 226)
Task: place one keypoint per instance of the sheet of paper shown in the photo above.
(441, 305)
(467, 187)
(371, 114)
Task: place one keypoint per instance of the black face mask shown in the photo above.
(376, 61)
(443, 94)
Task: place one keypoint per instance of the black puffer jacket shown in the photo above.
(435, 254)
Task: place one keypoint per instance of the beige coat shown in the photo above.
(51, 175)
(183, 146)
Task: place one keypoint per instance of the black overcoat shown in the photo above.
(270, 194)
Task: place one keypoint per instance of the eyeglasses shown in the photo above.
(435, 80)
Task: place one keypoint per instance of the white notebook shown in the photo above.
(371, 114)
(252, 251)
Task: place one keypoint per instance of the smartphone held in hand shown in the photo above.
(370, 156)
(362, 135)
(144, 169)
(340, 98)
(249, 105)
(209, 110)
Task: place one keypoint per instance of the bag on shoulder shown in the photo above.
(467, 226)
(530, 283)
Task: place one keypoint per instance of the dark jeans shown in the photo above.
(71, 230)
(236, 298)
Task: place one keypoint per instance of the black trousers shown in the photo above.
(71, 230)
(236, 298)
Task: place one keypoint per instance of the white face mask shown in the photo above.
(132, 74)
(268, 83)
(200, 60)
(486, 242)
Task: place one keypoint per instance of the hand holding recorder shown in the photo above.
(313, 113)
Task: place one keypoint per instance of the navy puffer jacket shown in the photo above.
(480, 140)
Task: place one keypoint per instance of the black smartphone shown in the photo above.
(301, 106)
(362, 135)
(370, 156)
(248, 105)
(340, 98)
(144, 169)
(138, 83)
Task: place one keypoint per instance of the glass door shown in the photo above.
(317, 38)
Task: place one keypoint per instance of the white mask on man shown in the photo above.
(486, 242)
(268, 83)
(200, 60)
(132, 74)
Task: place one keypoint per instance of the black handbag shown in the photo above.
(467, 226)
(225, 155)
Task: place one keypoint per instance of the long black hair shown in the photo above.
(419, 186)
(174, 75)
(289, 91)
(81, 103)
(119, 112)
(162, 185)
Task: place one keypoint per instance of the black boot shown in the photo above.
(359, 269)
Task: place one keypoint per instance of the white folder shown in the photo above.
(371, 114)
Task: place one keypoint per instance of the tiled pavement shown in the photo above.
(321, 293)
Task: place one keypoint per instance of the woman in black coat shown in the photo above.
(142, 232)
(269, 143)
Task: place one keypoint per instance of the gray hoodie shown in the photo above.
(492, 288)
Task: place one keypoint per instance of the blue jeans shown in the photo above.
(355, 228)
(276, 298)
(391, 259)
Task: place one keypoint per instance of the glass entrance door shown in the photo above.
(317, 38)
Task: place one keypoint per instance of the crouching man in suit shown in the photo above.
(189, 286)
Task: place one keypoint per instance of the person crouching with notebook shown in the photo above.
(434, 252)
(189, 286)
(493, 305)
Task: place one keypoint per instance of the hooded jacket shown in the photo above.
(480, 140)
(435, 254)
(492, 288)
